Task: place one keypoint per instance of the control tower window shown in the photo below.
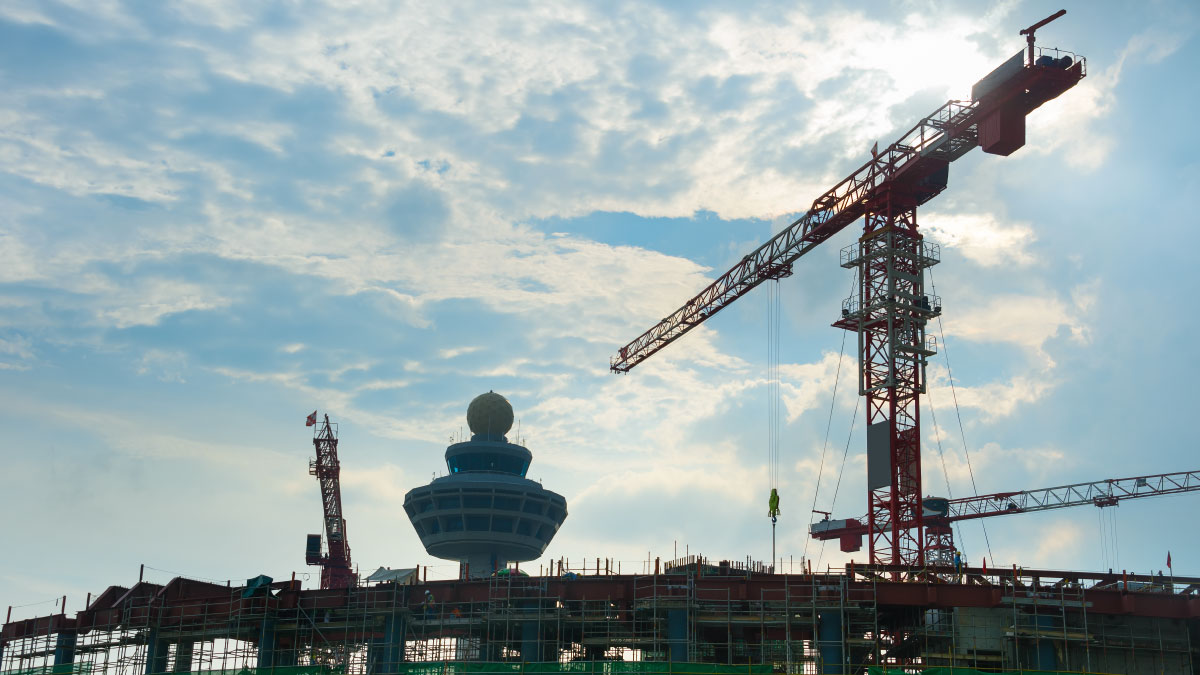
(508, 503)
(487, 461)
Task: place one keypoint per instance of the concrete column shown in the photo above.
(530, 641)
(285, 654)
(266, 644)
(829, 642)
(387, 653)
(677, 635)
(64, 651)
(156, 653)
(183, 656)
(1044, 656)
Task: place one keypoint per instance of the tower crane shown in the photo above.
(336, 570)
(940, 513)
(891, 307)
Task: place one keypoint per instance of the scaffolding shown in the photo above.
(692, 616)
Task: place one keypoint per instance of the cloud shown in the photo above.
(994, 400)
(167, 366)
(19, 346)
(146, 303)
(807, 386)
(382, 486)
(1024, 320)
(344, 204)
(989, 460)
(981, 237)
(492, 111)
(1067, 125)
(454, 352)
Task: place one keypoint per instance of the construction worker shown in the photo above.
(958, 564)
(427, 604)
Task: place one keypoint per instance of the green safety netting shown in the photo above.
(68, 669)
(576, 668)
(949, 670)
(508, 668)
(581, 668)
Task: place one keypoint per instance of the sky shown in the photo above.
(216, 217)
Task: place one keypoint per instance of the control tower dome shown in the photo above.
(486, 513)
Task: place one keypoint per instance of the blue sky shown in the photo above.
(216, 218)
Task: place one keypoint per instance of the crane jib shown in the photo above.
(918, 163)
(1101, 493)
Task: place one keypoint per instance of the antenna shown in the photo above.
(1028, 32)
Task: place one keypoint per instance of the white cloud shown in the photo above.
(167, 366)
(76, 162)
(989, 460)
(499, 121)
(453, 352)
(491, 75)
(1024, 320)
(383, 487)
(1066, 126)
(19, 346)
(808, 386)
(151, 299)
(981, 237)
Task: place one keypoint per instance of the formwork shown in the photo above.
(693, 618)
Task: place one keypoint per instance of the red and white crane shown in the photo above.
(336, 570)
(940, 513)
(891, 307)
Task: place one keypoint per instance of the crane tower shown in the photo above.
(890, 308)
(336, 570)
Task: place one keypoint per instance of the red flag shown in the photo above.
(311, 419)
(985, 565)
(1168, 560)
(875, 149)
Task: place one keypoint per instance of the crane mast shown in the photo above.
(336, 570)
(891, 308)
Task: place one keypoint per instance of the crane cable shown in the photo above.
(829, 425)
(958, 414)
(1108, 537)
(842, 470)
(958, 540)
(774, 407)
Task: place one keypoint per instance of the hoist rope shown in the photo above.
(1114, 537)
(774, 411)
(774, 406)
(837, 377)
(1103, 539)
(958, 414)
(845, 453)
(958, 540)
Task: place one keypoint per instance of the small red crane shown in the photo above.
(336, 570)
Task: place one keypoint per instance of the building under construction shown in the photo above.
(913, 607)
(690, 617)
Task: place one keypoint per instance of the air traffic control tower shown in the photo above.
(486, 513)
